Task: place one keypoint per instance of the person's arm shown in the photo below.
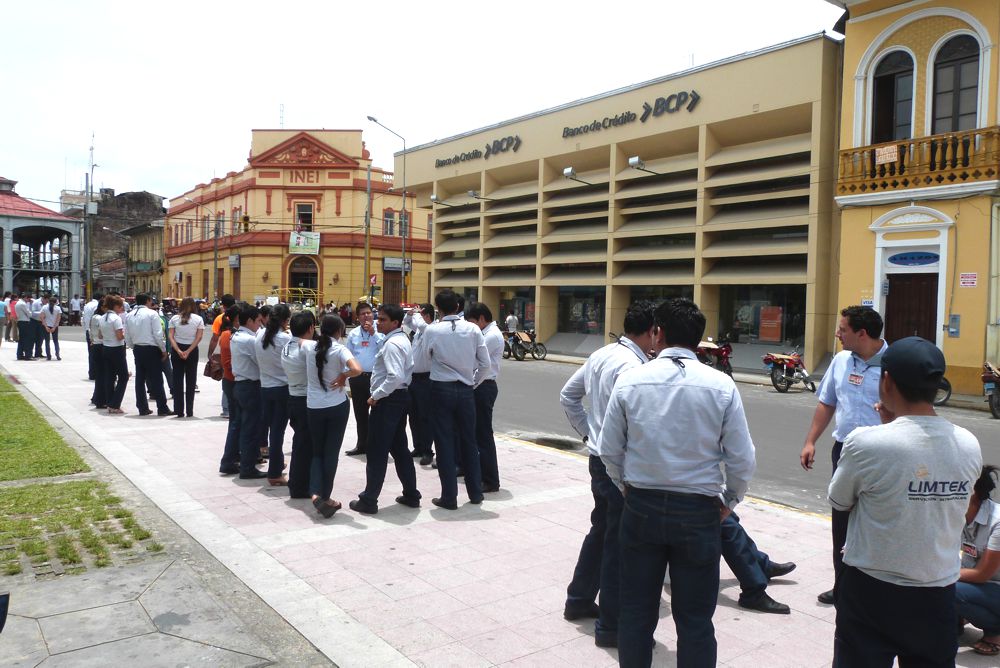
(571, 399)
(173, 342)
(200, 332)
(984, 570)
(482, 356)
(394, 360)
(120, 329)
(214, 341)
(613, 438)
(353, 371)
(737, 452)
(821, 420)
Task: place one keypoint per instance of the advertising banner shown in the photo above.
(303, 243)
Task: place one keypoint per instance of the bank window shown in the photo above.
(388, 223)
(190, 230)
(404, 227)
(956, 85)
(430, 226)
(892, 98)
(304, 217)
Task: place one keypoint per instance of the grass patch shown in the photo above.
(79, 523)
(5, 385)
(32, 448)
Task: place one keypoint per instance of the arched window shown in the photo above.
(892, 98)
(956, 85)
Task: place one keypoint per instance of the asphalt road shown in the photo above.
(528, 407)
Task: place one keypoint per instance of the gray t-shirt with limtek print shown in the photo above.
(907, 485)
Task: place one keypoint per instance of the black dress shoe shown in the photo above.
(765, 603)
(427, 460)
(606, 640)
(255, 475)
(460, 472)
(489, 489)
(146, 412)
(476, 500)
(447, 505)
(164, 413)
(433, 466)
(408, 501)
(777, 570)
(229, 470)
(572, 612)
(416, 453)
(354, 452)
(359, 506)
(826, 597)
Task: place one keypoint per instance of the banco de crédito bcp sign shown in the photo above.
(670, 104)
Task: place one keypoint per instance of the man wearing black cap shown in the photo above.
(906, 484)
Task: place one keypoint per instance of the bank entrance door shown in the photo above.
(392, 290)
(302, 273)
(911, 306)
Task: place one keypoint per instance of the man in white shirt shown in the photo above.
(37, 331)
(389, 400)
(74, 310)
(144, 332)
(906, 484)
(420, 386)
(25, 341)
(597, 567)
(669, 426)
(458, 354)
(246, 390)
(486, 392)
(88, 313)
(511, 322)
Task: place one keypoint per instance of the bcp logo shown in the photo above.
(503, 145)
(670, 104)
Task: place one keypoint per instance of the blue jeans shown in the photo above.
(387, 435)
(275, 403)
(51, 336)
(597, 567)
(454, 418)
(680, 531)
(231, 451)
(327, 426)
(247, 396)
(301, 465)
(420, 413)
(748, 564)
(486, 396)
(979, 603)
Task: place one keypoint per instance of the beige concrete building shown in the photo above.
(715, 183)
(145, 258)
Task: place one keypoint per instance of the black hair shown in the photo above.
(447, 302)
(921, 394)
(682, 323)
(863, 317)
(639, 317)
(986, 483)
(52, 303)
(98, 296)
(360, 306)
(265, 311)
(280, 313)
(427, 309)
(331, 328)
(230, 317)
(6, 294)
(461, 302)
(301, 322)
(392, 311)
(228, 300)
(477, 309)
(141, 299)
(248, 312)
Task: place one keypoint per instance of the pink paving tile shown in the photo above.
(548, 631)
(383, 616)
(477, 593)
(449, 577)
(417, 637)
(434, 604)
(314, 566)
(546, 658)
(328, 583)
(583, 652)
(358, 597)
(508, 611)
(501, 645)
(518, 583)
(465, 623)
(455, 655)
(404, 587)
(549, 598)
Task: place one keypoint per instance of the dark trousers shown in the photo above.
(454, 419)
(96, 358)
(52, 336)
(25, 342)
(839, 519)
(115, 374)
(327, 427)
(388, 436)
(747, 563)
(231, 451)
(597, 567)
(247, 396)
(486, 397)
(147, 376)
(979, 603)
(185, 381)
(274, 401)
(91, 374)
(878, 621)
(168, 374)
(301, 464)
(680, 531)
(361, 391)
(420, 413)
(36, 335)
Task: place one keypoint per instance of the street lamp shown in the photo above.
(215, 252)
(406, 226)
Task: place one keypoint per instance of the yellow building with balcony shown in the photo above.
(918, 174)
(145, 266)
(291, 224)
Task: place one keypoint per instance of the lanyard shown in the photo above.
(642, 358)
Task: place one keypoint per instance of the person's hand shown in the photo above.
(724, 512)
(807, 456)
(368, 326)
(884, 413)
(184, 354)
(338, 382)
(372, 402)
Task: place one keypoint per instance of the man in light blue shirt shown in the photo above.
(363, 342)
(849, 392)
(246, 389)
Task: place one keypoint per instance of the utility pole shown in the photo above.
(406, 228)
(368, 234)
(215, 263)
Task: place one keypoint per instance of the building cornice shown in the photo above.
(919, 194)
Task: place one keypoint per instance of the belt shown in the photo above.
(247, 380)
(666, 493)
(422, 374)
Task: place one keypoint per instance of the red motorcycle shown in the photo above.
(717, 355)
(991, 378)
(786, 370)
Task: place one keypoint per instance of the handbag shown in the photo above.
(213, 367)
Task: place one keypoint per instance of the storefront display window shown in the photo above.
(660, 293)
(581, 310)
(763, 313)
(522, 302)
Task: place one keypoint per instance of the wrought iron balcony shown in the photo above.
(924, 162)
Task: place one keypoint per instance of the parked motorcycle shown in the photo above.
(943, 393)
(787, 369)
(991, 378)
(717, 354)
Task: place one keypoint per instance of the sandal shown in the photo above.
(986, 648)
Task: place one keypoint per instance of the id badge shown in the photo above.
(364, 344)
(856, 379)
(970, 550)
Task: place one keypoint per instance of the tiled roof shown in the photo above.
(12, 204)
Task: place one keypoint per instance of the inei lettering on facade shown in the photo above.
(304, 176)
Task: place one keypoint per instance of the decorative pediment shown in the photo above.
(911, 218)
(300, 150)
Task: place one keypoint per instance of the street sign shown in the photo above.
(372, 278)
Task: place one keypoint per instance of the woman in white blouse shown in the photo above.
(327, 410)
(185, 332)
(111, 335)
(51, 314)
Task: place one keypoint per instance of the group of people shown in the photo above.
(30, 322)
(671, 456)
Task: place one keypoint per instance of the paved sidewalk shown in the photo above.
(481, 586)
